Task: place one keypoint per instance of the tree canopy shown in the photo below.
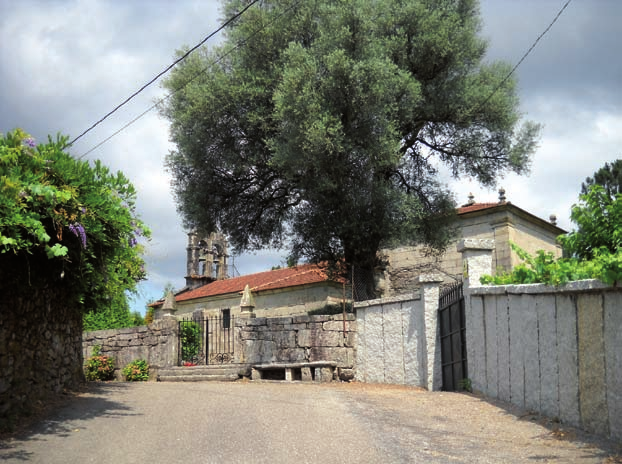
(66, 223)
(321, 125)
(609, 176)
(599, 224)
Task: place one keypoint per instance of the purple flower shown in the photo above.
(133, 242)
(78, 230)
(83, 210)
(30, 142)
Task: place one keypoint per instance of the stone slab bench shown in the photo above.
(316, 371)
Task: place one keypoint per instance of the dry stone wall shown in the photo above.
(296, 339)
(40, 340)
(156, 343)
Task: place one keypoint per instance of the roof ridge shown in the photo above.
(288, 277)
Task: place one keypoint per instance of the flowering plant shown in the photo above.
(99, 367)
(137, 370)
(67, 222)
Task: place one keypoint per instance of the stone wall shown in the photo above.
(398, 338)
(156, 343)
(264, 340)
(557, 351)
(40, 353)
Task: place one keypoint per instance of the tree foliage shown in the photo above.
(609, 177)
(599, 224)
(322, 124)
(65, 222)
(115, 315)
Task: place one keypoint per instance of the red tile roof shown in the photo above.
(477, 207)
(267, 280)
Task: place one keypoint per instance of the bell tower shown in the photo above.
(206, 258)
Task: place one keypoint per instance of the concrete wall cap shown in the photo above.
(575, 286)
(388, 300)
(476, 244)
(430, 278)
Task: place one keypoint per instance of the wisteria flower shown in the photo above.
(78, 230)
(30, 142)
(133, 242)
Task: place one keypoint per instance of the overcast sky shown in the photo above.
(66, 63)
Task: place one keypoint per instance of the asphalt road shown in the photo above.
(249, 422)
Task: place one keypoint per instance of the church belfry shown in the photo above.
(206, 259)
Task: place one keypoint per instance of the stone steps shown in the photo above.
(219, 373)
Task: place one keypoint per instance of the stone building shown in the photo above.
(503, 222)
(278, 292)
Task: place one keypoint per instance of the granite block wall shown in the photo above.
(556, 351)
(294, 339)
(398, 338)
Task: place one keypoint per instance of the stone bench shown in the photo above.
(317, 371)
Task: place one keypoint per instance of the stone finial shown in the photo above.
(169, 306)
(502, 197)
(553, 219)
(248, 302)
(471, 198)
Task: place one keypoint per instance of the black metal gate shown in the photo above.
(453, 339)
(207, 340)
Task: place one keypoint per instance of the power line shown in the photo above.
(559, 13)
(202, 71)
(168, 68)
(240, 44)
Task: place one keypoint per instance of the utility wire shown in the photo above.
(183, 57)
(495, 90)
(202, 71)
(522, 59)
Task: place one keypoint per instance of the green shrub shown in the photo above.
(190, 334)
(137, 370)
(545, 268)
(99, 367)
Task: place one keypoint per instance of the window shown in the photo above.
(226, 318)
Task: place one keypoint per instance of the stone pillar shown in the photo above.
(430, 286)
(247, 304)
(476, 262)
(169, 306)
(476, 259)
(192, 259)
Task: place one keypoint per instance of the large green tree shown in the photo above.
(321, 125)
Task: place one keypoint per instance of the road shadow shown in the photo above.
(59, 417)
(608, 450)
